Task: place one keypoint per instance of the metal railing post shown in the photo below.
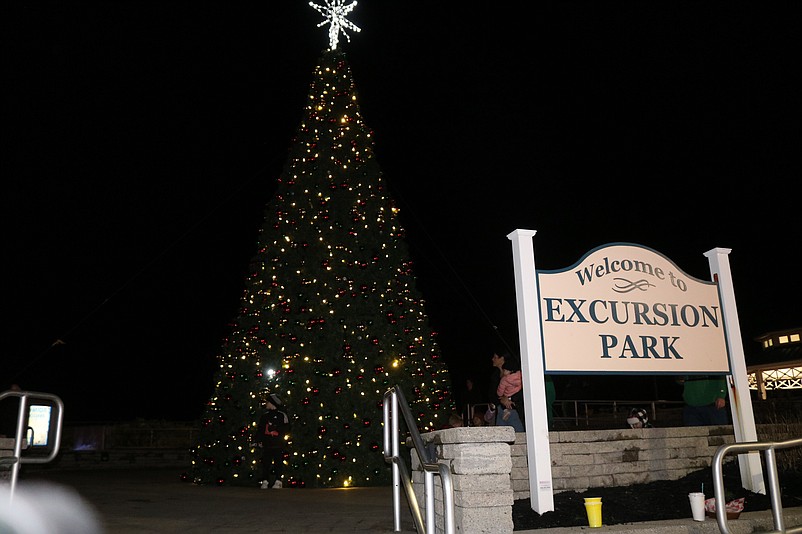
(396, 470)
(428, 493)
(17, 459)
(394, 402)
(390, 408)
(774, 484)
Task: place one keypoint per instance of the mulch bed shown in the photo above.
(653, 501)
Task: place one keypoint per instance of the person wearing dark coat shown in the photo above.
(273, 425)
(471, 397)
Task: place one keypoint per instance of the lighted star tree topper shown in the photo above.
(336, 12)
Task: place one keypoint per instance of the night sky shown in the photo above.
(142, 142)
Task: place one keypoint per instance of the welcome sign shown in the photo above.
(625, 308)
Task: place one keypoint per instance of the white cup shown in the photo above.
(697, 499)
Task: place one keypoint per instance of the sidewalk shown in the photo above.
(146, 501)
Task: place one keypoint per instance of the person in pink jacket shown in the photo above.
(509, 384)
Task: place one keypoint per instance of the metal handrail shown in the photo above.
(615, 405)
(17, 459)
(393, 401)
(774, 484)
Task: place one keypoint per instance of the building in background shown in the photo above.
(776, 370)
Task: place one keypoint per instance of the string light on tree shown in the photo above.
(330, 316)
(335, 13)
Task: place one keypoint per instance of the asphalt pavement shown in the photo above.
(141, 501)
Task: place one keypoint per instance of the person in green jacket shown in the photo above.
(705, 399)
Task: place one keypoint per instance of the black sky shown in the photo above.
(142, 142)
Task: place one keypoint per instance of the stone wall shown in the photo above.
(480, 463)
(107, 459)
(598, 458)
(119, 458)
(488, 466)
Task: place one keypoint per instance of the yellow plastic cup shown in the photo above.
(593, 507)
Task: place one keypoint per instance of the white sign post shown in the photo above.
(541, 493)
(623, 309)
(743, 418)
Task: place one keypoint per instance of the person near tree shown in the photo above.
(455, 420)
(470, 399)
(510, 384)
(478, 418)
(705, 399)
(502, 360)
(497, 360)
(273, 425)
(638, 418)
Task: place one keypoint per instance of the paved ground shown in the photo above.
(157, 501)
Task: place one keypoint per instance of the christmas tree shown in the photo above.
(330, 317)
